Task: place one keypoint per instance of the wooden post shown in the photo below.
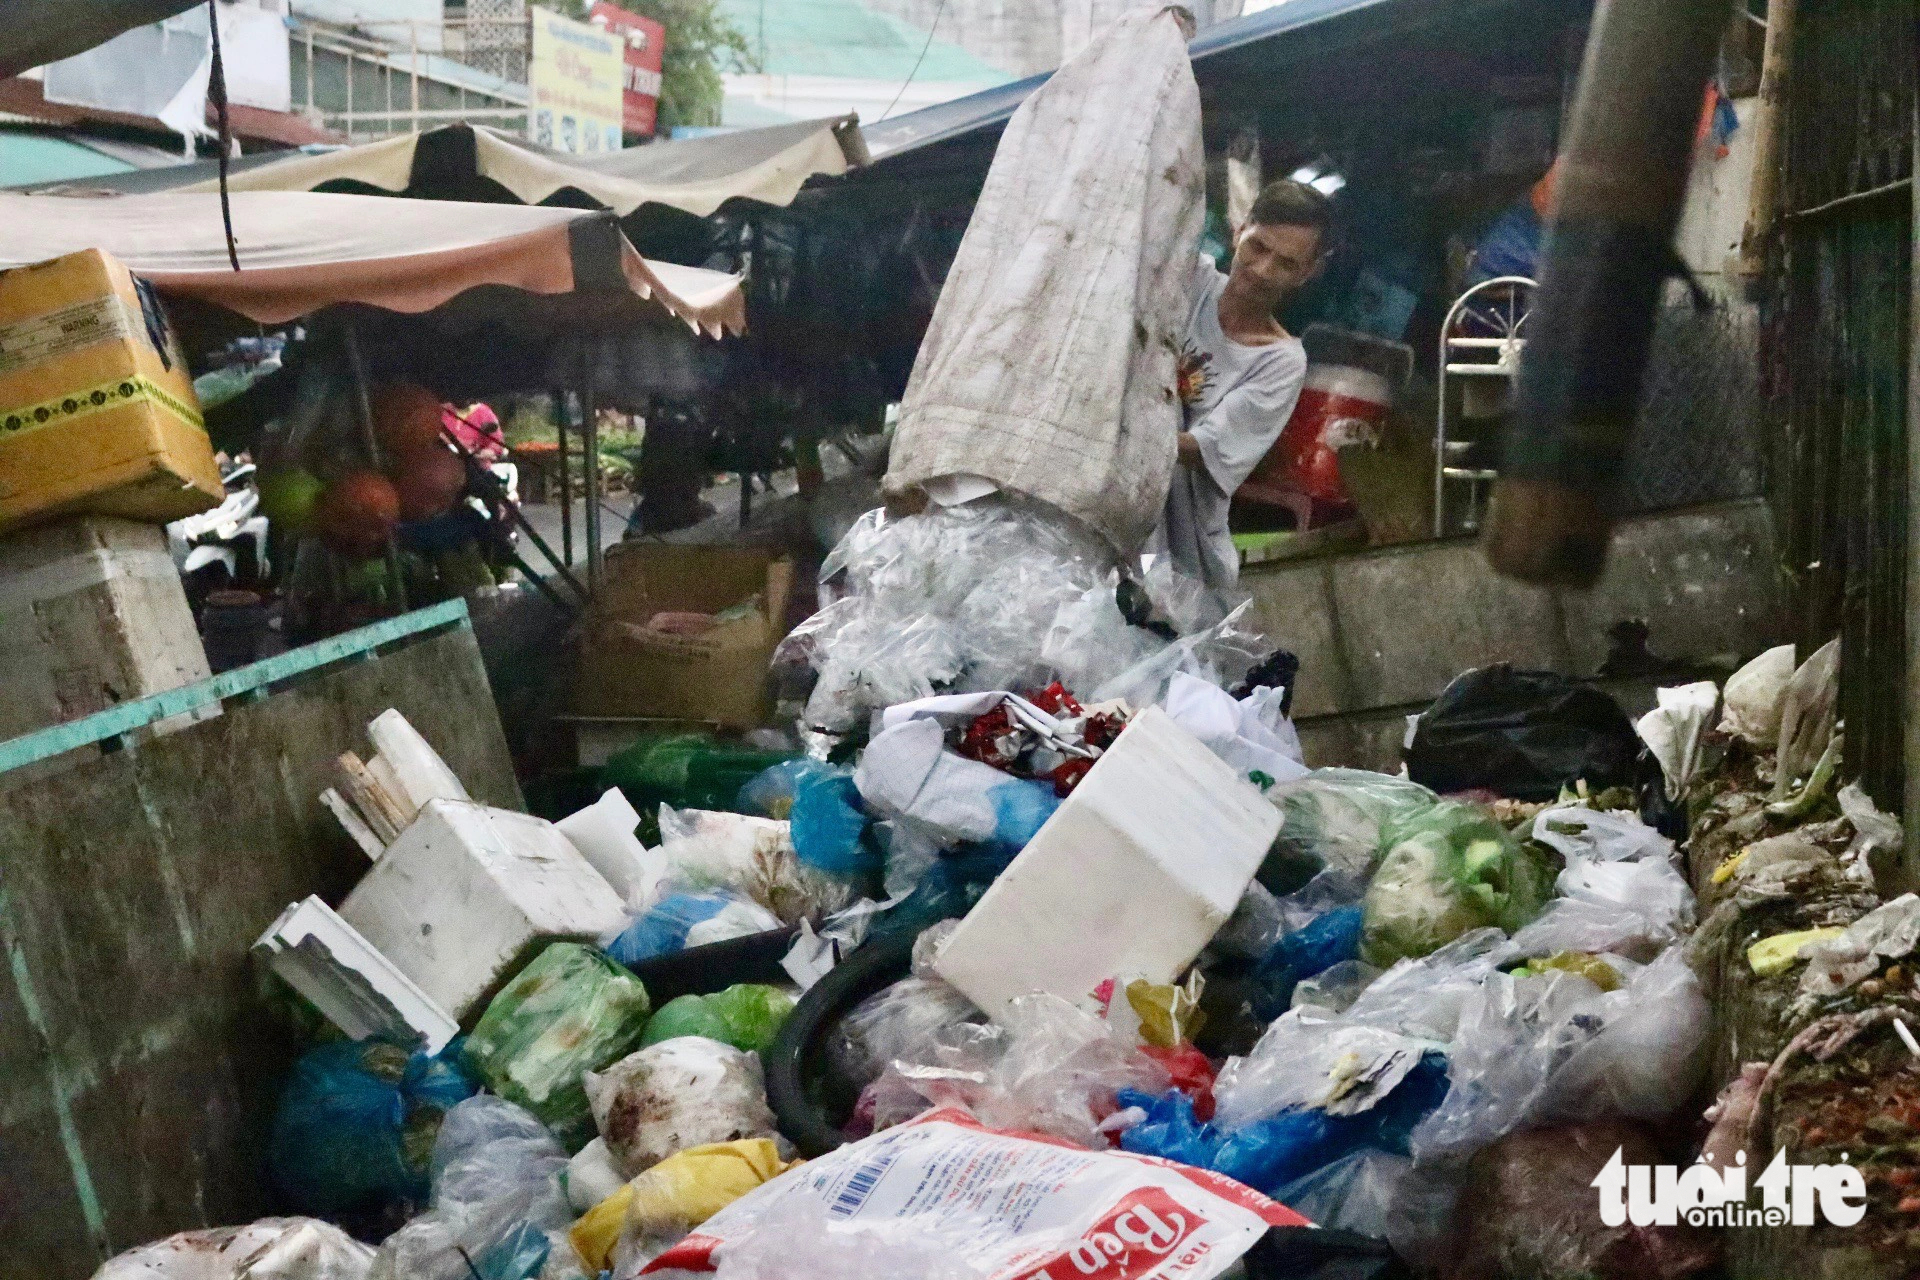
(590, 479)
(1776, 67)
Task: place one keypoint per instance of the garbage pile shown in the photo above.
(982, 977)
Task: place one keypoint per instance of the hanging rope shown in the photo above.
(217, 94)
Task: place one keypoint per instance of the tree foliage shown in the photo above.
(700, 40)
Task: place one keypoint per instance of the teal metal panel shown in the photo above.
(251, 680)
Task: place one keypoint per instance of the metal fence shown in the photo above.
(1835, 359)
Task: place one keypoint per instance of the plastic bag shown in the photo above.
(1255, 925)
(822, 806)
(1755, 695)
(1379, 1194)
(677, 1094)
(1221, 656)
(571, 1011)
(1534, 1216)
(746, 1016)
(1537, 1049)
(1090, 642)
(944, 1197)
(1251, 734)
(1600, 835)
(1425, 998)
(908, 775)
(686, 771)
(682, 920)
(270, 1249)
(1336, 988)
(1447, 871)
(1338, 819)
(898, 1023)
(499, 1209)
(706, 849)
(356, 1122)
(1523, 734)
(676, 1195)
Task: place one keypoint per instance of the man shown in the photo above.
(1240, 374)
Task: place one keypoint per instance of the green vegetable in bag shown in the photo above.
(1337, 818)
(747, 1016)
(569, 1012)
(1446, 871)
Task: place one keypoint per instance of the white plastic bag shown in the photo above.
(706, 850)
(677, 1094)
(1603, 835)
(270, 1249)
(1673, 731)
(1251, 734)
(943, 1198)
(1754, 696)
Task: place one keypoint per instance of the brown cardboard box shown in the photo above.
(718, 675)
(97, 411)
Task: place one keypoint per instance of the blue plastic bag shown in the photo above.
(662, 931)
(1020, 808)
(1171, 1131)
(356, 1124)
(1308, 951)
(824, 810)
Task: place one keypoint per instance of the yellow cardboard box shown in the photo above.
(97, 411)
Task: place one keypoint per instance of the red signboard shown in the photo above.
(646, 42)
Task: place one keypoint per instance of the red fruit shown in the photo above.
(358, 513)
(406, 418)
(429, 482)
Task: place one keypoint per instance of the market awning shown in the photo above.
(301, 251)
(1217, 55)
(35, 32)
(696, 176)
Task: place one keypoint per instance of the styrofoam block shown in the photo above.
(356, 988)
(1132, 876)
(417, 769)
(604, 834)
(462, 898)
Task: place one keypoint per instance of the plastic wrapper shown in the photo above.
(936, 1199)
(1168, 1014)
(707, 849)
(1250, 734)
(356, 1124)
(909, 776)
(1339, 818)
(674, 1196)
(270, 1249)
(1534, 1217)
(678, 1094)
(682, 920)
(499, 1207)
(1446, 871)
(1537, 1049)
(569, 1012)
(1255, 925)
(746, 1016)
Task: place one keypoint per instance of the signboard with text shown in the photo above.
(574, 78)
(646, 44)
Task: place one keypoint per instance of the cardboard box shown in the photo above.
(92, 614)
(468, 895)
(1130, 878)
(718, 675)
(97, 411)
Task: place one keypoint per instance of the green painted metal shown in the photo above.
(125, 719)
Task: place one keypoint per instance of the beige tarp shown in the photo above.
(697, 175)
(300, 251)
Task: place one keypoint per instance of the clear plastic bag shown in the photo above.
(674, 1095)
(707, 850)
(1335, 989)
(1220, 655)
(1251, 734)
(270, 1249)
(499, 1205)
(1540, 1048)
(1255, 925)
(1600, 835)
(1446, 871)
(1379, 1194)
(1338, 818)
(682, 920)
(897, 1024)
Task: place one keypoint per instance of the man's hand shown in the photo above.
(1190, 451)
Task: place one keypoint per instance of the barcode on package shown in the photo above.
(861, 1184)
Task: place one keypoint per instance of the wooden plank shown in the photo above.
(129, 716)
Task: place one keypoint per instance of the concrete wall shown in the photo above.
(138, 1065)
(1379, 634)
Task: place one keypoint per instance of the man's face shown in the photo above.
(1276, 261)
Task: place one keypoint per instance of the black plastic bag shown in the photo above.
(1522, 734)
(1313, 1253)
